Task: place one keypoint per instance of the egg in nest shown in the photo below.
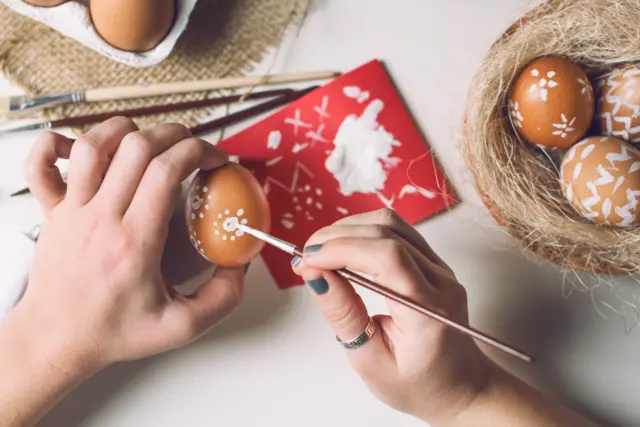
(600, 177)
(551, 102)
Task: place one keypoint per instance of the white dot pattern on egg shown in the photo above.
(600, 177)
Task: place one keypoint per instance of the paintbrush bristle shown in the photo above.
(5, 105)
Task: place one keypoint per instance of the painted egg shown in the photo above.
(619, 104)
(600, 176)
(45, 3)
(135, 26)
(551, 103)
(217, 202)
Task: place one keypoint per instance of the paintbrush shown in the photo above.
(20, 104)
(145, 111)
(392, 295)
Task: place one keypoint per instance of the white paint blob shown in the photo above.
(362, 149)
(205, 189)
(287, 223)
(201, 215)
(233, 237)
(230, 224)
(274, 139)
(224, 237)
(240, 212)
(193, 216)
(244, 221)
(226, 212)
(216, 232)
(219, 215)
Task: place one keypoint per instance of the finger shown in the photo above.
(43, 176)
(389, 264)
(192, 316)
(131, 160)
(91, 155)
(431, 271)
(389, 218)
(161, 185)
(346, 314)
(387, 261)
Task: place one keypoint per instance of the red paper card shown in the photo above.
(346, 148)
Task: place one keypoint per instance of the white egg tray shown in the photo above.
(72, 20)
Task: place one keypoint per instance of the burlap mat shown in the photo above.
(224, 38)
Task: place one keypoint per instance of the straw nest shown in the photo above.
(520, 183)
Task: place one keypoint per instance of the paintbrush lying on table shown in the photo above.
(145, 111)
(22, 104)
(372, 286)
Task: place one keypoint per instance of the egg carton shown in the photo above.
(72, 20)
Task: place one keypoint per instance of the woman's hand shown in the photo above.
(412, 363)
(96, 282)
(96, 294)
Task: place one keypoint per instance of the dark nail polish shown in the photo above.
(310, 250)
(319, 285)
(296, 261)
(246, 267)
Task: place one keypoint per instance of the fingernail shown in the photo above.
(319, 285)
(296, 261)
(246, 267)
(310, 250)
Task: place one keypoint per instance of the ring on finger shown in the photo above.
(361, 339)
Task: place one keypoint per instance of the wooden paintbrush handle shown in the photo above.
(140, 91)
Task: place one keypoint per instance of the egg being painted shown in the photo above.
(600, 176)
(619, 103)
(217, 201)
(551, 103)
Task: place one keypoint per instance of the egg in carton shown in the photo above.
(137, 33)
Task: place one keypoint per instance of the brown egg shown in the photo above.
(619, 103)
(216, 202)
(551, 103)
(45, 3)
(600, 176)
(133, 25)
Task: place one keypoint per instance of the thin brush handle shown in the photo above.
(387, 293)
(140, 91)
(249, 112)
(158, 109)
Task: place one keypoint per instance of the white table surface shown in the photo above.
(275, 362)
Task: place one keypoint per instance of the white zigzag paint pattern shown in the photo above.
(620, 93)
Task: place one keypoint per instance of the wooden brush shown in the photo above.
(22, 104)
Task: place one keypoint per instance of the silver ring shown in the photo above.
(361, 339)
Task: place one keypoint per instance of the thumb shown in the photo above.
(194, 315)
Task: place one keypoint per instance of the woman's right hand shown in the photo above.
(412, 363)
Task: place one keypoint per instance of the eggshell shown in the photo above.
(216, 202)
(133, 25)
(600, 176)
(619, 104)
(45, 3)
(551, 102)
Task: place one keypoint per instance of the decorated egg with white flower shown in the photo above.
(551, 102)
(217, 202)
(600, 176)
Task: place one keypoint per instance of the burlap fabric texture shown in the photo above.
(224, 38)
